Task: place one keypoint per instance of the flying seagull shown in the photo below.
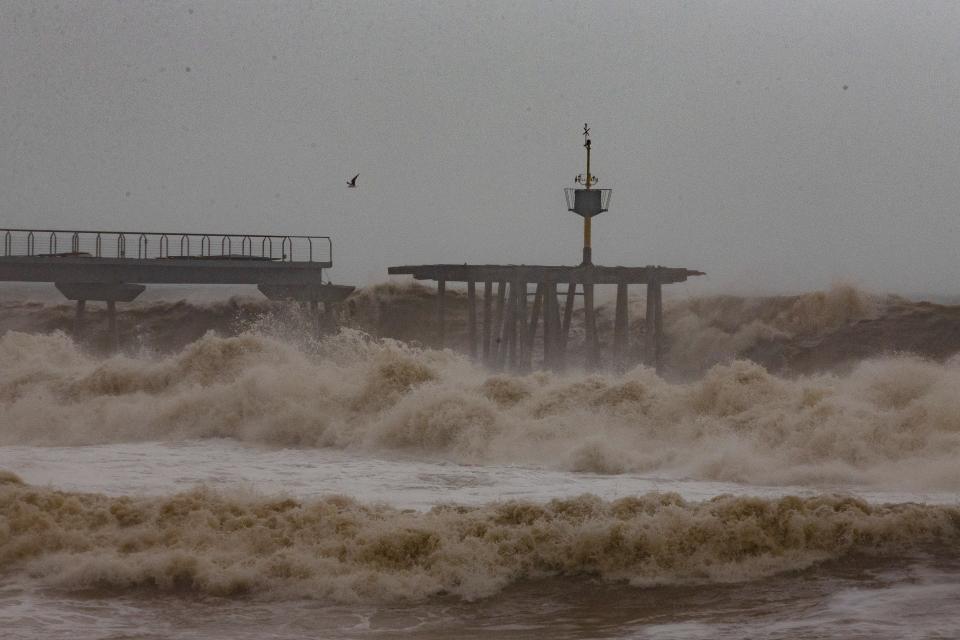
(352, 183)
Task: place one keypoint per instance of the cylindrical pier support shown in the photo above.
(472, 317)
(558, 342)
(590, 327)
(654, 326)
(487, 319)
(498, 351)
(620, 329)
(568, 313)
(531, 336)
(552, 347)
(441, 313)
(520, 363)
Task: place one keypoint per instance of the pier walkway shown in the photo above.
(114, 266)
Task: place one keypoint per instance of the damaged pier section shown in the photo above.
(510, 324)
(504, 332)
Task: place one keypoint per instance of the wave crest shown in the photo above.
(336, 548)
(890, 421)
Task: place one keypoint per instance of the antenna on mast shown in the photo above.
(587, 202)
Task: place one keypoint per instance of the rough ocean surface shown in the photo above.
(792, 475)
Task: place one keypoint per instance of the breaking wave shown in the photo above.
(337, 549)
(889, 422)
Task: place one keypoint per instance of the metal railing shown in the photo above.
(145, 245)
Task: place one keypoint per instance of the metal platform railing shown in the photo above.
(148, 245)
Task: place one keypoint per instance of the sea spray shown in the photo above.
(701, 331)
(891, 421)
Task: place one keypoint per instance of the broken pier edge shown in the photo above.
(509, 328)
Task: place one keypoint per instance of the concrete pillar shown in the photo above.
(550, 327)
(552, 317)
(487, 319)
(658, 347)
(620, 328)
(472, 317)
(510, 328)
(441, 313)
(498, 350)
(521, 344)
(531, 334)
(590, 325)
(568, 313)
(654, 326)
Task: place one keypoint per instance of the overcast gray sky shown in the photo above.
(776, 145)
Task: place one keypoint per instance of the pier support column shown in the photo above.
(331, 295)
(109, 292)
(654, 326)
(531, 335)
(590, 326)
(551, 327)
(498, 351)
(78, 321)
(568, 314)
(441, 313)
(510, 328)
(487, 319)
(520, 363)
(472, 318)
(548, 328)
(620, 329)
(558, 343)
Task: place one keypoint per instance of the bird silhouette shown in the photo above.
(352, 182)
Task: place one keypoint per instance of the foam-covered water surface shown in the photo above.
(270, 485)
(159, 468)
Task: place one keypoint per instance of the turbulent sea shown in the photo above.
(259, 483)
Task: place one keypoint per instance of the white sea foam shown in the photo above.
(890, 422)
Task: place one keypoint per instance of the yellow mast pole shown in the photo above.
(587, 251)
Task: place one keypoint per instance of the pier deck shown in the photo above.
(509, 330)
(114, 266)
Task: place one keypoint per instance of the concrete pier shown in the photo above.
(510, 330)
(114, 266)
